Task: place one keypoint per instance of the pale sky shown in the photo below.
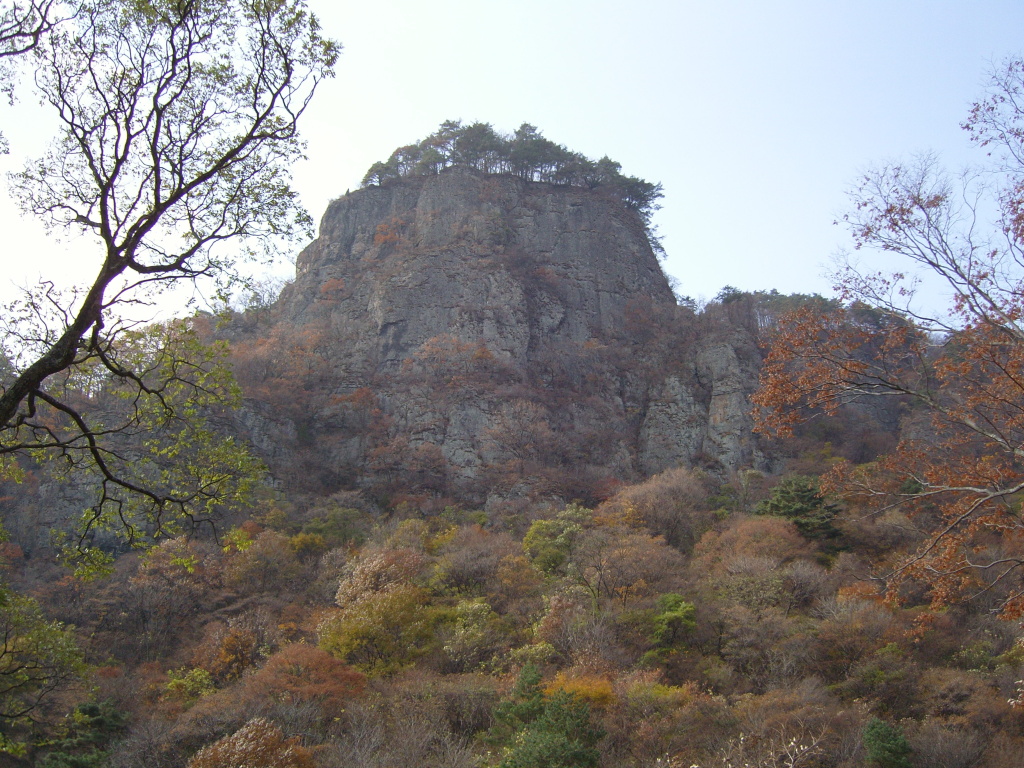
(755, 116)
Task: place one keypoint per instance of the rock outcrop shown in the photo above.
(468, 334)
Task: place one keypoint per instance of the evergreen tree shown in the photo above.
(886, 745)
(798, 498)
(545, 731)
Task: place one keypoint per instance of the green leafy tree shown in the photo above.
(473, 634)
(188, 685)
(37, 657)
(532, 157)
(85, 735)
(675, 619)
(551, 543)
(478, 146)
(381, 631)
(381, 172)
(178, 122)
(526, 154)
(729, 294)
(524, 706)
(155, 461)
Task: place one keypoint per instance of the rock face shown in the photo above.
(517, 265)
(470, 333)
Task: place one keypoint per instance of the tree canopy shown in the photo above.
(525, 153)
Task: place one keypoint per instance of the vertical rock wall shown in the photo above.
(479, 332)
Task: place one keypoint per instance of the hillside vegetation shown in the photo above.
(694, 618)
(515, 514)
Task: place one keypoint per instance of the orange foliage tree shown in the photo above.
(959, 466)
(301, 672)
(288, 368)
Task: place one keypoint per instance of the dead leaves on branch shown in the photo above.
(957, 470)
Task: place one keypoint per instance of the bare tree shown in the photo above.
(23, 25)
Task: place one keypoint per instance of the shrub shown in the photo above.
(307, 546)
(188, 685)
(257, 743)
(266, 563)
(595, 690)
(301, 672)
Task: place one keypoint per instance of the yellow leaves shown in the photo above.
(596, 690)
(380, 632)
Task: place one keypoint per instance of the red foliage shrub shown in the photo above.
(301, 672)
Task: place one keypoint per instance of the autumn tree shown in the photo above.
(959, 466)
(178, 122)
(257, 743)
(269, 562)
(616, 562)
(675, 505)
(301, 672)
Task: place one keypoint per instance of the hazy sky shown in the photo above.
(755, 116)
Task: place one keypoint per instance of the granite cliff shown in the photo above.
(470, 334)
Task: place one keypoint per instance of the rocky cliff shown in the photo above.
(463, 333)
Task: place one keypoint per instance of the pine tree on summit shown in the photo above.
(525, 154)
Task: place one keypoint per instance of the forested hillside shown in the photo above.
(687, 619)
(481, 488)
(535, 611)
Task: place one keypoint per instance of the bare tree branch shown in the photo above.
(179, 124)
